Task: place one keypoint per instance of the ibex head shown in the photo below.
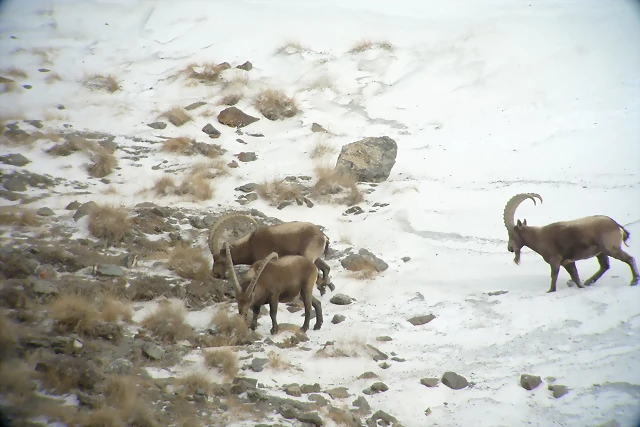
(514, 229)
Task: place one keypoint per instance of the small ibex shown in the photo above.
(289, 238)
(565, 242)
(273, 280)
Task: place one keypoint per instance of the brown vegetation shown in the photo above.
(180, 144)
(211, 169)
(362, 269)
(177, 116)
(110, 223)
(321, 149)
(108, 83)
(103, 163)
(277, 362)
(275, 104)
(18, 216)
(364, 45)
(329, 185)
(14, 72)
(196, 184)
(189, 262)
(291, 48)
(231, 329)
(223, 359)
(231, 98)
(114, 310)
(209, 72)
(276, 192)
(168, 324)
(74, 313)
(164, 185)
(191, 383)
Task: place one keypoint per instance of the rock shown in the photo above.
(309, 418)
(558, 390)
(341, 299)
(60, 107)
(152, 351)
(406, 258)
(377, 354)
(233, 164)
(284, 204)
(338, 393)
(15, 183)
(293, 390)
(109, 270)
(85, 209)
(379, 387)
(234, 118)
(211, 131)
(27, 86)
(315, 127)
(44, 287)
(529, 382)
(45, 211)
(310, 388)
(338, 318)
(491, 294)
(368, 375)
(421, 320)
(35, 123)
(361, 403)
(429, 382)
(353, 210)
(247, 156)
(257, 364)
(382, 416)
(354, 262)
(318, 399)
(129, 260)
(243, 384)
(195, 105)
(383, 338)
(346, 416)
(369, 159)
(157, 125)
(120, 366)
(247, 188)
(223, 66)
(384, 365)
(177, 118)
(398, 359)
(247, 66)
(14, 160)
(454, 381)
(43, 70)
(611, 423)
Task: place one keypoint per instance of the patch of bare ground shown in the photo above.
(353, 347)
(168, 324)
(103, 163)
(364, 45)
(18, 216)
(109, 223)
(231, 328)
(278, 191)
(335, 188)
(109, 82)
(189, 262)
(274, 104)
(222, 359)
(14, 72)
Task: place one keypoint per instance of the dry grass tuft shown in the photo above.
(362, 269)
(110, 223)
(277, 363)
(197, 183)
(231, 98)
(207, 72)
(114, 310)
(53, 78)
(103, 163)
(164, 185)
(17, 216)
(8, 85)
(353, 347)
(180, 144)
(16, 383)
(365, 45)
(70, 146)
(168, 324)
(14, 72)
(276, 192)
(74, 313)
(223, 359)
(177, 116)
(335, 188)
(323, 82)
(189, 384)
(211, 169)
(101, 82)
(8, 336)
(322, 148)
(189, 262)
(291, 48)
(231, 329)
(237, 81)
(274, 104)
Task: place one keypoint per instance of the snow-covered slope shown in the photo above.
(485, 99)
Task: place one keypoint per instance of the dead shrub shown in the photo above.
(8, 336)
(321, 149)
(177, 116)
(277, 362)
(274, 104)
(110, 223)
(364, 45)
(18, 217)
(74, 313)
(336, 188)
(362, 268)
(108, 83)
(113, 310)
(211, 169)
(207, 72)
(168, 324)
(196, 185)
(16, 381)
(70, 146)
(191, 383)
(103, 163)
(103, 417)
(52, 78)
(291, 48)
(222, 359)
(231, 329)
(164, 185)
(14, 72)
(276, 192)
(121, 391)
(231, 98)
(189, 263)
(180, 145)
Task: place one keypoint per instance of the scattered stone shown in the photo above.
(427, 411)
(195, 105)
(310, 388)
(85, 209)
(16, 184)
(44, 287)
(233, 164)
(491, 294)
(223, 66)
(354, 262)
(129, 260)
(362, 403)
(247, 66)
(384, 365)
(315, 127)
(35, 123)
(177, 119)
(234, 117)
(383, 338)
(529, 382)
(338, 393)
(454, 381)
(27, 86)
(319, 399)
(353, 210)
(247, 156)
(558, 390)
(398, 359)
(429, 382)
(60, 107)
(247, 188)
(211, 131)
(43, 70)
(257, 364)
(368, 375)
(406, 258)
(256, 135)
(243, 384)
(341, 299)
(378, 387)
(368, 160)
(45, 211)
(284, 204)
(293, 390)
(338, 318)
(377, 354)
(152, 351)
(109, 270)
(14, 160)
(421, 320)
(382, 416)
(309, 418)
(157, 125)
(120, 366)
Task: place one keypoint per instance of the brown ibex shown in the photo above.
(290, 238)
(565, 242)
(273, 280)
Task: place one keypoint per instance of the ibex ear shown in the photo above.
(519, 224)
(525, 222)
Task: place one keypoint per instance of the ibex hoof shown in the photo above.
(317, 327)
(274, 331)
(322, 291)
(331, 286)
(551, 290)
(634, 283)
(303, 330)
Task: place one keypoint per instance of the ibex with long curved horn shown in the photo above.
(290, 238)
(565, 242)
(273, 280)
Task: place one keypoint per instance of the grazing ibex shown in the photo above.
(290, 238)
(565, 242)
(273, 280)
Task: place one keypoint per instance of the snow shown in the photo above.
(484, 98)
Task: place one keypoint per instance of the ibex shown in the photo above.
(565, 242)
(273, 280)
(290, 238)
